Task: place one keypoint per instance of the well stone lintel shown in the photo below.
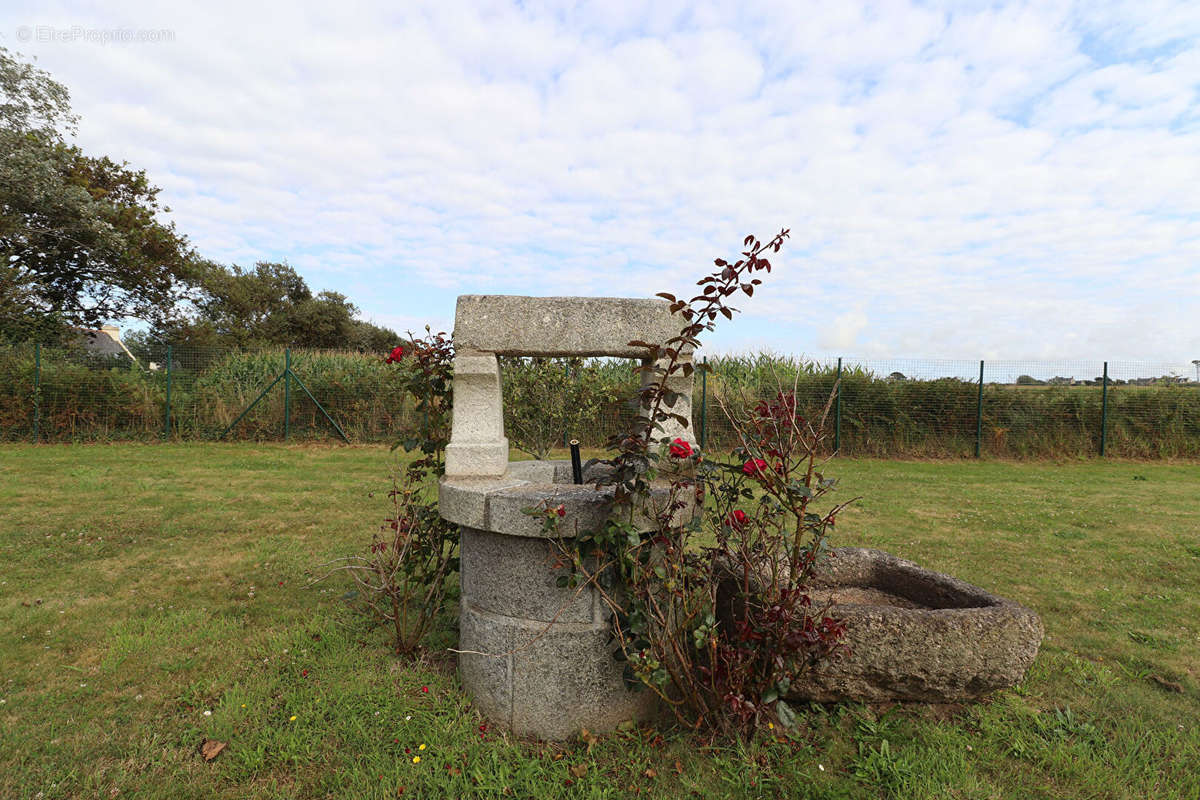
(561, 326)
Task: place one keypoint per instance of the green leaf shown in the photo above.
(787, 717)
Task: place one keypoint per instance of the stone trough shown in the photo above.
(915, 634)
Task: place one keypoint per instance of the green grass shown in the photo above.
(142, 586)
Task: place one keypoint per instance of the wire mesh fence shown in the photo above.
(885, 408)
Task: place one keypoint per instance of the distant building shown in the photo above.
(104, 341)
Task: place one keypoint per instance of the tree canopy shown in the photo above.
(270, 304)
(82, 242)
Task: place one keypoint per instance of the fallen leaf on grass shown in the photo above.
(211, 748)
(578, 770)
(678, 767)
(590, 738)
(650, 773)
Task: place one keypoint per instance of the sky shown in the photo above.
(961, 180)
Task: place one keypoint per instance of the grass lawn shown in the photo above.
(152, 596)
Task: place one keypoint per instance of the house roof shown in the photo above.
(105, 340)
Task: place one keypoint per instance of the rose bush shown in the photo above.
(718, 631)
(401, 582)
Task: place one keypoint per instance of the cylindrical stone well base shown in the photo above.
(537, 678)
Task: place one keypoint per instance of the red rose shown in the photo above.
(679, 449)
(754, 467)
(736, 519)
(561, 511)
(395, 356)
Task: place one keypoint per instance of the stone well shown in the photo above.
(537, 658)
(915, 634)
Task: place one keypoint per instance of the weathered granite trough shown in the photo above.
(915, 634)
(536, 657)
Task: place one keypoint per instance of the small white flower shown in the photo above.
(821, 767)
(407, 718)
(208, 713)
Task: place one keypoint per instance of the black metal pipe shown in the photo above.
(576, 465)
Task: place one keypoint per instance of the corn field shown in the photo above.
(898, 409)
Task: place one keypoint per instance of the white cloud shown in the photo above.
(843, 334)
(1013, 180)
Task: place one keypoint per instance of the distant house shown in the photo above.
(104, 341)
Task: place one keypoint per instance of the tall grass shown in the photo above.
(82, 399)
(937, 418)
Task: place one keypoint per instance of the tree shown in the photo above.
(367, 337)
(80, 237)
(271, 304)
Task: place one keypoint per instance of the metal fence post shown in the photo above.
(567, 375)
(287, 393)
(37, 391)
(1104, 411)
(703, 402)
(837, 413)
(167, 422)
(979, 415)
